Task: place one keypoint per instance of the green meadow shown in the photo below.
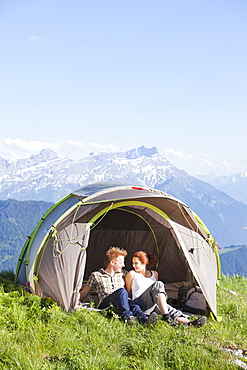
(37, 334)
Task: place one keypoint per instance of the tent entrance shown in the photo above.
(133, 228)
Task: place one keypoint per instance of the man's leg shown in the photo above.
(138, 312)
(120, 300)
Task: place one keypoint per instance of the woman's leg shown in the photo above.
(182, 320)
(162, 303)
(176, 316)
(149, 298)
(198, 323)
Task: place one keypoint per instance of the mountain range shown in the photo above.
(234, 185)
(47, 177)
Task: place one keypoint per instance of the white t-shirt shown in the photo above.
(141, 283)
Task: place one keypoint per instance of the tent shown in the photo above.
(71, 239)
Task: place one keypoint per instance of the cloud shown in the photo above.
(177, 154)
(195, 163)
(19, 148)
(79, 149)
(34, 38)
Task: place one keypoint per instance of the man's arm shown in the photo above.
(84, 292)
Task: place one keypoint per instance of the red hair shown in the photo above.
(146, 259)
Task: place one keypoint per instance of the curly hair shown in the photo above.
(147, 259)
(113, 253)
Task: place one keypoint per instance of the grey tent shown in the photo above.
(71, 239)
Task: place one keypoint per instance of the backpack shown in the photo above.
(191, 301)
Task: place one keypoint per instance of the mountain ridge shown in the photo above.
(47, 177)
(234, 185)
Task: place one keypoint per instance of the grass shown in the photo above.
(37, 334)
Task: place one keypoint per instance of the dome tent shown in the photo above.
(71, 239)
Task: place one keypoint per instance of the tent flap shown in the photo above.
(62, 264)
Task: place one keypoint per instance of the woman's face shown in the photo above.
(137, 265)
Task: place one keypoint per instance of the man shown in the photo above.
(109, 283)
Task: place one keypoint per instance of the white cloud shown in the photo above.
(34, 38)
(195, 163)
(18, 148)
(179, 154)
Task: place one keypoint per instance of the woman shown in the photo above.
(147, 292)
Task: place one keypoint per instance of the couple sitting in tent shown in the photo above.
(135, 292)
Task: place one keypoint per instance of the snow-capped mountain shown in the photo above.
(48, 177)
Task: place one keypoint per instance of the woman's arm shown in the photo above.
(129, 280)
(156, 275)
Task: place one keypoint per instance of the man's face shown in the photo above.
(118, 264)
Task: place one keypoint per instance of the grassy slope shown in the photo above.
(37, 334)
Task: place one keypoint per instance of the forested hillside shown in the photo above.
(233, 260)
(17, 221)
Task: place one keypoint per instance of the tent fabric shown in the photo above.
(60, 268)
(71, 240)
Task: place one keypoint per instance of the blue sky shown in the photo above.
(80, 76)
